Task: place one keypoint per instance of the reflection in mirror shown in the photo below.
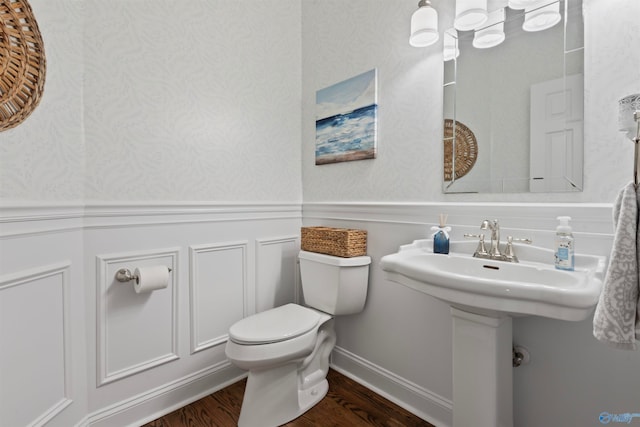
(522, 100)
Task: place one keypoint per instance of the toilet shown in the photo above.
(286, 349)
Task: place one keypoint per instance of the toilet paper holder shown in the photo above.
(125, 275)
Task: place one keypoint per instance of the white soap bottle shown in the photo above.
(564, 245)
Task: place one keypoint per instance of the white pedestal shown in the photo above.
(482, 370)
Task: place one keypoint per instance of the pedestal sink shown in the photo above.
(484, 295)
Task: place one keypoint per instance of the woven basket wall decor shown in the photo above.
(22, 63)
(466, 149)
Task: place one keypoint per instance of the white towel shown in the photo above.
(616, 320)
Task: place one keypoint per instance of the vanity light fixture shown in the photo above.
(470, 14)
(541, 16)
(521, 4)
(424, 25)
(450, 50)
(492, 33)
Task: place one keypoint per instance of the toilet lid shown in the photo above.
(278, 324)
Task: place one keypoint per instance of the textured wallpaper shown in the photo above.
(43, 158)
(193, 101)
(154, 100)
(342, 39)
(213, 100)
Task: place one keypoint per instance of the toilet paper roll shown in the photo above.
(151, 278)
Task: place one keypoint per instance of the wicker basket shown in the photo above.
(22, 63)
(342, 242)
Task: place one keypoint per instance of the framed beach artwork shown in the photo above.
(346, 120)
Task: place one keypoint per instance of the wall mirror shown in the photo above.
(514, 112)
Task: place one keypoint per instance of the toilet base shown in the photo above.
(279, 394)
(272, 397)
(308, 398)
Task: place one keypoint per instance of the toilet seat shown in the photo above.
(275, 325)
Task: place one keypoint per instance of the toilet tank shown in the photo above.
(333, 284)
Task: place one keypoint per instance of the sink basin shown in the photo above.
(493, 288)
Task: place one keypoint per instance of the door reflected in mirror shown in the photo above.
(523, 102)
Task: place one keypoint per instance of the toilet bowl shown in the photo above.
(286, 349)
(287, 375)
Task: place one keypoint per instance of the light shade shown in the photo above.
(492, 33)
(470, 14)
(424, 25)
(627, 106)
(450, 50)
(540, 17)
(521, 4)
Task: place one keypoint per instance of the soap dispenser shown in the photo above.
(564, 245)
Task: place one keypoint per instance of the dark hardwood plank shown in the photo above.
(347, 404)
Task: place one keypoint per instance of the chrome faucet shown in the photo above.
(494, 249)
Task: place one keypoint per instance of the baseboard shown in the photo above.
(423, 403)
(153, 404)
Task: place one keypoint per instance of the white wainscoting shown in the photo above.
(417, 399)
(135, 332)
(218, 244)
(240, 256)
(218, 291)
(151, 353)
(277, 276)
(144, 407)
(35, 355)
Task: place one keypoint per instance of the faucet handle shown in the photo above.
(490, 223)
(509, 254)
(481, 250)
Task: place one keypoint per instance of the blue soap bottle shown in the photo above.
(441, 236)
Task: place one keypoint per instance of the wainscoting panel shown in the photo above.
(400, 344)
(218, 291)
(35, 359)
(213, 247)
(132, 357)
(136, 332)
(277, 275)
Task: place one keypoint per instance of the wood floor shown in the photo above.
(347, 404)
